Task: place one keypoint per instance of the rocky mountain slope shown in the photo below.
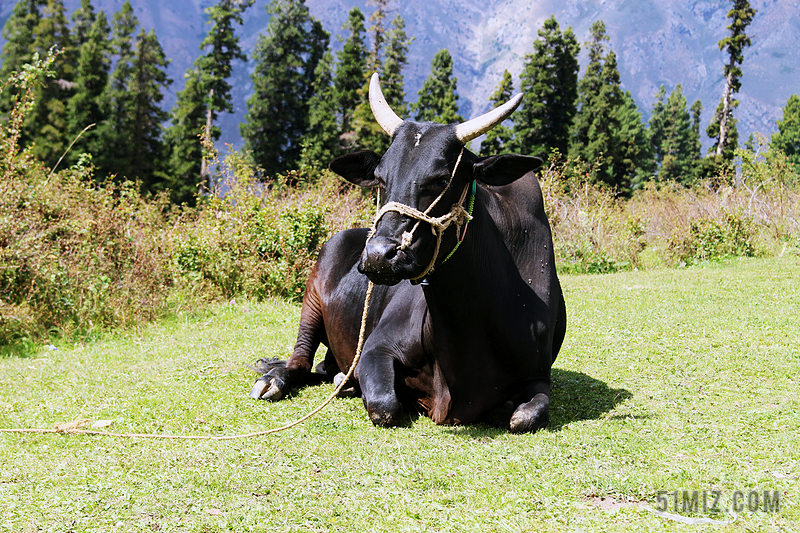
(666, 41)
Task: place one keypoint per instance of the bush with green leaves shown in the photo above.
(248, 239)
(711, 238)
(75, 256)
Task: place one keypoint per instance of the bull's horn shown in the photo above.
(387, 118)
(466, 131)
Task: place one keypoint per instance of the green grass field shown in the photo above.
(669, 380)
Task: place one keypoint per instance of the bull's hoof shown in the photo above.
(349, 390)
(268, 388)
(532, 416)
(385, 414)
(500, 416)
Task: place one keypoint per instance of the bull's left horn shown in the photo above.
(384, 114)
(466, 131)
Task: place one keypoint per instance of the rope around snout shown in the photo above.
(457, 215)
(68, 429)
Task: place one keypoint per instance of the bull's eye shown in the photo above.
(437, 184)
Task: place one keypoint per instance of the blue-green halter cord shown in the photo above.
(470, 206)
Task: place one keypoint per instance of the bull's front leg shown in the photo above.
(376, 376)
(280, 376)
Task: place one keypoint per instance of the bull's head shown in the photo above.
(427, 170)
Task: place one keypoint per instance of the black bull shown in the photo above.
(475, 341)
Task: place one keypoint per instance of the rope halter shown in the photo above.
(457, 215)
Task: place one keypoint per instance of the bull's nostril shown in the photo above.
(390, 253)
(379, 254)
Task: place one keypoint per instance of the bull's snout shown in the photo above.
(384, 262)
(379, 254)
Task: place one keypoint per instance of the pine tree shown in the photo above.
(726, 153)
(599, 97)
(607, 131)
(697, 144)
(631, 156)
(182, 140)
(656, 123)
(114, 133)
(88, 104)
(549, 82)
(676, 149)
(283, 83)
(35, 26)
(47, 124)
(787, 138)
(741, 15)
(675, 136)
(321, 143)
(206, 94)
(215, 65)
(131, 134)
(498, 138)
(350, 74)
(437, 98)
(19, 35)
(369, 133)
(395, 60)
(82, 20)
(19, 49)
(146, 86)
(378, 32)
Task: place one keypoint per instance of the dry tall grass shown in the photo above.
(753, 211)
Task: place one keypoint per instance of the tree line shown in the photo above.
(308, 106)
(595, 119)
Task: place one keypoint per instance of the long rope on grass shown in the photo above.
(69, 429)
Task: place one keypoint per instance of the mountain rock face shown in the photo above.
(657, 42)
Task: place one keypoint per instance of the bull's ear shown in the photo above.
(358, 168)
(505, 168)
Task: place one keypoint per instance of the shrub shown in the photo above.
(257, 241)
(76, 258)
(708, 238)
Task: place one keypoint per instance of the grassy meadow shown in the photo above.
(669, 380)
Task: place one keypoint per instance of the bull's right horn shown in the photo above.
(387, 118)
(466, 131)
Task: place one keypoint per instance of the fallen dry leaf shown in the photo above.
(78, 423)
(214, 512)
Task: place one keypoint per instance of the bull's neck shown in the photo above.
(475, 273)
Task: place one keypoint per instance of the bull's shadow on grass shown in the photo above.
(575, 396)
